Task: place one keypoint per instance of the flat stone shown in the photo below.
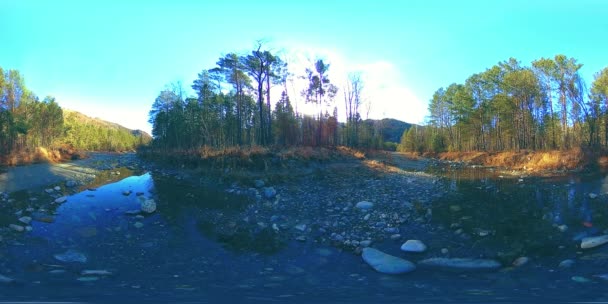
(413, 246)
(364, 205)
(566, 263)
(462, 264)
(61, 200)
(6, 280)
(521, 261)
(17, 228)
(386, 263)
(71, 256)
(594, 241)
(25, 219)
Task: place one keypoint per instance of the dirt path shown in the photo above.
(407, 163)
(41, 175)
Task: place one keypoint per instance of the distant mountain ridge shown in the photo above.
(390, 128)
(83, 118)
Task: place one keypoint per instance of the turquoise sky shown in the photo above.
(111, 58)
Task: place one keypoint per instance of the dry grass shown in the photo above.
(40, 155)
(254, 157)
(526, 160)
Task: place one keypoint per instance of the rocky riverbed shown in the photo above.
(338, 229)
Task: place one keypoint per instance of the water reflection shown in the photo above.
(522, 215)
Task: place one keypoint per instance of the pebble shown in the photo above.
(25, 219)
(391, 230)
(269, 192)
(365, 243)
(57, 188)
(413, 246)
(61, 200)
(258, 183)
(386, 263)
(71, 256)
(138, 225)
(521, 261)
(367, 216)
(17, 228)
(592, 195)
(49, 190)
(364, 205)
(566, 263)
(300, 227)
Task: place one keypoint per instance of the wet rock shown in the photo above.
(521, 261)
(580, 279)
(592, 195)
(6, 280)
(366, 217)
(71, 256)
(413, 246)
(462, 264)
(444, 251)
(566, 263)
(132, 212)
(365, 243)
(258, 183)
(138, 225)
(591, 242)
(127, 192)
(300, 227)
(148, 206)
(17, 228)
(71, 183)
(57, 188)
(95, 272)
(364, 205)
(395, 236)
(386, 263)
(25, 219)
(391, 230)
(562, 228)
(301, 238)
(61, 200)
(269, 192)
(49, 191)
(139, 193)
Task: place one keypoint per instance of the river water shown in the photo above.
(177, 254)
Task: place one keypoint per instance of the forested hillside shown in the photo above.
(511, 106)
(28, 124)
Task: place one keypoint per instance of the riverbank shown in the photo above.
(40, 155)
(531, 162)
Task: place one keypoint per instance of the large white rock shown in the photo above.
(386, 263)
(413, 246)
(148, 206)
(594, 241)
(461, 264)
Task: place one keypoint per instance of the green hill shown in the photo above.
(93, 134)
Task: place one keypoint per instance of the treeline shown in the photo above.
(544, 106)
(232, 107)
(26, 123)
